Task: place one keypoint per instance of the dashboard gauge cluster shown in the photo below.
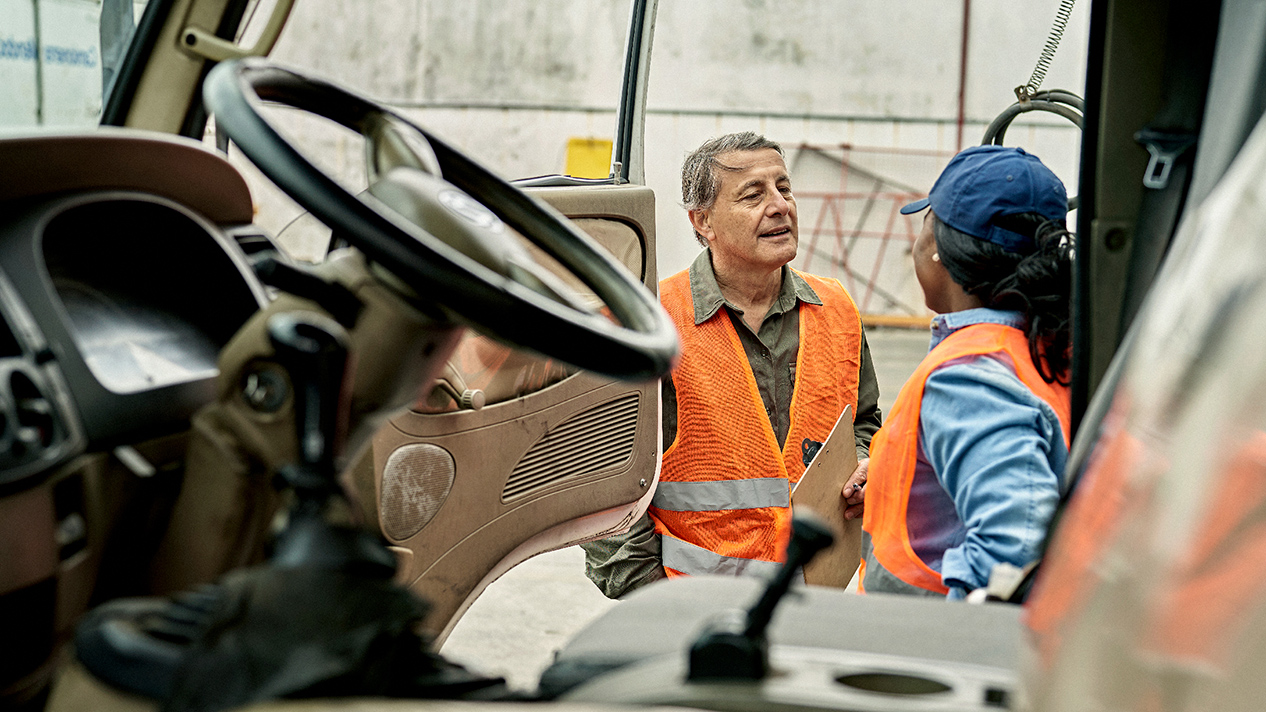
(135, 296)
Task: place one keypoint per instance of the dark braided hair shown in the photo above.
(1036, 282)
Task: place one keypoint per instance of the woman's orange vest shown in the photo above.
(724, 434)
(894, 449)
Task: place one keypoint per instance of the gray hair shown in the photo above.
(700, 180)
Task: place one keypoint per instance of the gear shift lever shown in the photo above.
(734, 646)
(313, 350)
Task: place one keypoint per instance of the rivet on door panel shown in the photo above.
(415, 482)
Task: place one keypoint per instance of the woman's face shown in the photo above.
(933, 278)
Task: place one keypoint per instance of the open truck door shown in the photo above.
(511, 454)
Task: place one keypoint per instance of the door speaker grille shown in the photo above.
(415, 483)
(596, 439)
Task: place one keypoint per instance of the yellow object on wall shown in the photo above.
(588, 157)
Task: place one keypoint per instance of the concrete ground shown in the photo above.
(896, 353)
(514, 628)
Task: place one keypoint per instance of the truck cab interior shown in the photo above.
(325, 462)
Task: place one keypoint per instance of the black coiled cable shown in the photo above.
(1026, 91)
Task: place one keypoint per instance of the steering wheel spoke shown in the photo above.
(392, 143)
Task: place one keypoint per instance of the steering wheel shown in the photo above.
(437, 221)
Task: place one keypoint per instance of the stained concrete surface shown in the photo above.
(514, 628)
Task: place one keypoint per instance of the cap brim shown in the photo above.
(915, 207)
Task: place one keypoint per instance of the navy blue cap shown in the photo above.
(985, 182)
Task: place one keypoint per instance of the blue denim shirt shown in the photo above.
(989, 465)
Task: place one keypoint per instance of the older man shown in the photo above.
(770, 358)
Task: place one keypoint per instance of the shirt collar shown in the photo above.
(945, 324)
(708, 300)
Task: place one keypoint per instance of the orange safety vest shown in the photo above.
(1091, 525)
(723, 503)
(889, 561)
(1217, 585)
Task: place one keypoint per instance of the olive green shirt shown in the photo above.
(624, 562)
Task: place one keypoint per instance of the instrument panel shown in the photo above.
(120, 282)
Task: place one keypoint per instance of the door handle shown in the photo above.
(217, 49)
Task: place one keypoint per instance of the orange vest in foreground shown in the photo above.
(723, 504)
(894, 450)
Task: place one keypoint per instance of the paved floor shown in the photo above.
(521, 619)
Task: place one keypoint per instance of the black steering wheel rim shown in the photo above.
(644, 347)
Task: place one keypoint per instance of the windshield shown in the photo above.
(59, 59)
(868, 101)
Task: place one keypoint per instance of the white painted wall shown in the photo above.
(70, 47)
(57, 81)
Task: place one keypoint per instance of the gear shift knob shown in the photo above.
(734, 645)
(809, 535)
(314, 351)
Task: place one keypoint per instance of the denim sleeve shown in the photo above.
(998, 450)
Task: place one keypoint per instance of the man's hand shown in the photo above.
(854, 492)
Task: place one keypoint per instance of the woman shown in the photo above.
(966, 472)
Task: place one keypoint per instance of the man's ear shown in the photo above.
(701, 221)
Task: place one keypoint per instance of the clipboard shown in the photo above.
(819, 490)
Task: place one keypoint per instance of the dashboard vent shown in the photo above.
(593, 440)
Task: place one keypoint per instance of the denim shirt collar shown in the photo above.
(706, 292)
(945, 324)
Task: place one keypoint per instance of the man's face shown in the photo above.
(753, 223)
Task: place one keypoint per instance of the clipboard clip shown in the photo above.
(809, 449)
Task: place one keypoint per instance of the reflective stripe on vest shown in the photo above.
(724, 483)
(682, 557)
(722, 494)
(893, 453)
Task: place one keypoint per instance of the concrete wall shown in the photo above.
(511, 81)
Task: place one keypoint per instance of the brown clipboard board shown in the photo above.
(819, 490)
